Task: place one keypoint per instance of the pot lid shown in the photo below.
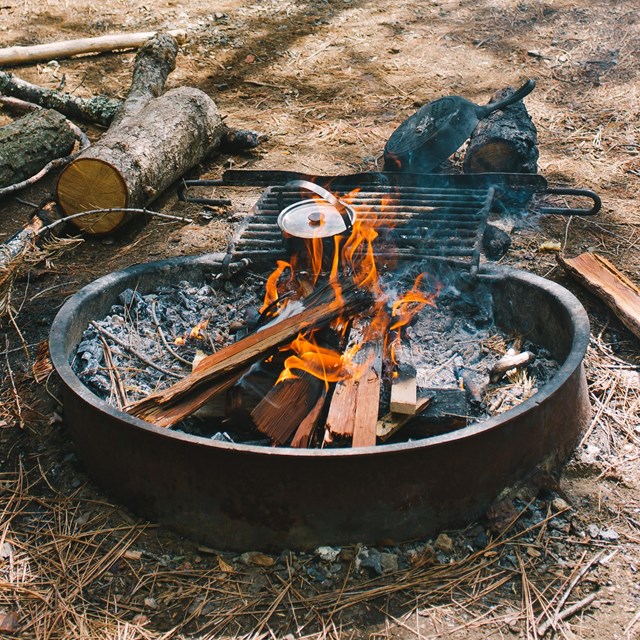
(314, 218)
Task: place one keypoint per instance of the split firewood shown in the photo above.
(342, 409)
(57, 50)
(505, 141)
(305, 431)
(390, 423)
(99, 110)
(603, 279)
(221, 370)
(404, 386)
(281, 412)
(29, 143)
(151, 142)
(368, 397)
(508, 362)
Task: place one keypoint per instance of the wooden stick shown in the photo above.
(617, 291)
(368, 397)
(508, 362)
(15, 55)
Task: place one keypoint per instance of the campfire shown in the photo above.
(348, 343)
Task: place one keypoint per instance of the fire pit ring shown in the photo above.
(240, 497)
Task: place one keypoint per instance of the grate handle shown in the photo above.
(571, 211)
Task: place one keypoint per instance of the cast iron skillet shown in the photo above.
(427, 138)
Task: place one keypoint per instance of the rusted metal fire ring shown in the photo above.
(243, 497)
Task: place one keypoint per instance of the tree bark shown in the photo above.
(31, 142)
(150, 144)
(504, 142)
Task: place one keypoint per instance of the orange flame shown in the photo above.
(271, 286)
(320, 362)
(198, 332)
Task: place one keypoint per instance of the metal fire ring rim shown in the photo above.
(61, 364)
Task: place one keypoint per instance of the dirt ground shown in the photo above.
(327, 82)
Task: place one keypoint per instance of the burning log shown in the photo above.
(285, 407)
(151, 142)
(504, 141)
(602, 278)
(404, 386)
(31, 142)
(219, 371)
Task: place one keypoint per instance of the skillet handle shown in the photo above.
(327, 196)
(523, 91)
(568, 211)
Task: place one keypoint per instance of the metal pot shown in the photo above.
(323, 218)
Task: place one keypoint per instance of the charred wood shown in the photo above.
(506, 141)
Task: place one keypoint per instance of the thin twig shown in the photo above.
(133, 351)
(16, 396)
(176, 355)
(114, 374)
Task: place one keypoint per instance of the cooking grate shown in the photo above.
(414, 223)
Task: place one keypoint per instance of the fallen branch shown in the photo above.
(10, 56)
(509, 362)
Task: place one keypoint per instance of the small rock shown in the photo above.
(593, 530)
(139, 619)
(250, 59)
(443, 543)
(255, 558)
(558, 504)
(389, 562)
(6, 551)
(328, 554)
(151, 603)
(609, 535)
(369, 559)
(235, 326)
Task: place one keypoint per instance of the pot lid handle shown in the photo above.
(327, 196)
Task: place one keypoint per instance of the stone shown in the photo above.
(443, 543)
(609, 535)
(328, 554)
(558, 504)
(369, 559)
(593, 530)
(389, 562)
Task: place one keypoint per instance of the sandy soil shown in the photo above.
(328, 81)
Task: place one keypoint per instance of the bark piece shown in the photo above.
(219, 371)
(506, 141)
(65, 49)
(29, 143)
(151, 143)
(602, 278)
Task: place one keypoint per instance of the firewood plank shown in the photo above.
(404, 386)
(603, 279)
(368, 397)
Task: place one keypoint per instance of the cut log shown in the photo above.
(368, 397)
(288, 403)
(29, 143)
(506, 141)
(602, 278)
(57, 50)
(99, 110)
(152, 142)
(219, 371)
(305, 431)
(404, 387)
